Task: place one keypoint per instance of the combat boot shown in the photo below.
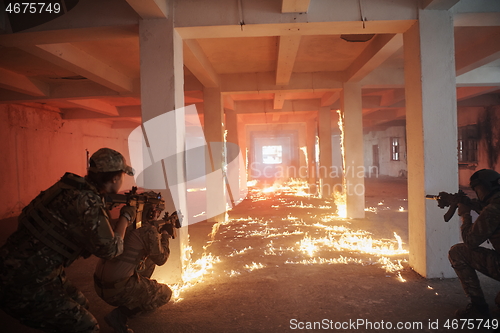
(117, 320)
(474, 311)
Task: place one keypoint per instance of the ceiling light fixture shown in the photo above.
(357, 38)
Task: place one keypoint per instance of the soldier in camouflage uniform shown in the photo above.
(61, 224)
(468, 257)
(125, 281)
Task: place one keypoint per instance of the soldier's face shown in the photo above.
(117, 183)
(481, 191)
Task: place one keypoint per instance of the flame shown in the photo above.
(330, 239)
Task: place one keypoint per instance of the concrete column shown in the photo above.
(311, 156)
(354, 178)
(242, 142)
(325, 151)
(162, 81)
(214, 135)
(236, 172)
(431, 124)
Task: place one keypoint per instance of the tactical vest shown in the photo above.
(48, 229)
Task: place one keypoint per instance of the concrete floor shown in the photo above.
(264, 282)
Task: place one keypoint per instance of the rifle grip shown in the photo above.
(451, 211)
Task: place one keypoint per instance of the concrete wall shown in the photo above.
(37, 147)
(387, 167)
(487, 123)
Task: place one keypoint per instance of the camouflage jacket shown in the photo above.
(486, 226)
(140, 244)
(67, 221)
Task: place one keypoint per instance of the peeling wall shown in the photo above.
(387, 167)
(488, 150)
(37, 147)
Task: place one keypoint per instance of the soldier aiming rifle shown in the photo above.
(125, 281)
(468, 257)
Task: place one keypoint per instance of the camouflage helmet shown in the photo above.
(486, 177)
(108, 160)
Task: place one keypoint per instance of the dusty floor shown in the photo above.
(283, 263)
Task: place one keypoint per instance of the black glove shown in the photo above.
(129, 213)
(169, 229)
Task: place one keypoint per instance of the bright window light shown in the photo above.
(272, 154)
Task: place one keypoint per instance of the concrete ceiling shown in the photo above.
(86, 63)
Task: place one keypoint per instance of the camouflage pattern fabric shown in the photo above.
(118, 281)
(468, 257)
(33, 287)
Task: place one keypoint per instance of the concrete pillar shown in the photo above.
(431, 124)
(242, 142)
(311, 156)
(162, 81)
(354, 178)
(236, 172)
(214, 135)
(325, 151)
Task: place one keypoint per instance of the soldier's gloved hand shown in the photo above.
(168, 229)
(463, 209)
(129, 213)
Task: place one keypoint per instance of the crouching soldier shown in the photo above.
(61, 224)
(125, 281)
(469, 257)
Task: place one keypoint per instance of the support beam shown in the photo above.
(266, 82)
(72, 58)
(432, 160)
(16, 82)
(163, 151)
(197, 62)
(470, 92)
(96, 106)
(150, 9)
(354, 180)
(378, 51)
(267, 106)
(287, 52)
(279, 100)
(439, 4)
(295, 6)
(330, 97)
(214, 136)
(325, 151)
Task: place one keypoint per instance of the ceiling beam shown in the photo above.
(482, 76)
(439, 4)
(480, 101)
(72, 58)
(279, 100)
(96, 106)
(266, 82)
(267, 106)
(288, 29)
(378, 51)
(295, 6)
(228, 102)
(149, 9)
(73, 35)
(20, 83)
(392, 96)
(330, 97)
(470, 92)
(197, 62)
(287, 52)
(68, 91)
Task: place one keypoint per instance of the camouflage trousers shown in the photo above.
(138, 294)
(466, 262)
(57, 306)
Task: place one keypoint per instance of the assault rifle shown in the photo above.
(170, 223)
(446, 199)
(132, 198)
